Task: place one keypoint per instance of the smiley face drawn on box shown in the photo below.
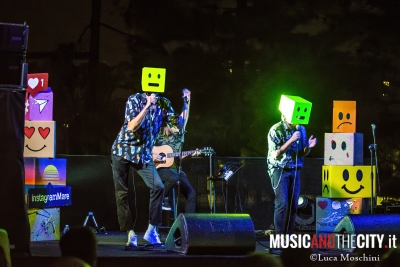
(347, 181)
(153, 80)
(344, 117)
(297, 110)
(39, 139)
(343, 149)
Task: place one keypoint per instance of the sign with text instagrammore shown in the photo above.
(37, 82)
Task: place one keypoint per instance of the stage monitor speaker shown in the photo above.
(369, 224)
(211, 234)
(13, 37)
(13, 69)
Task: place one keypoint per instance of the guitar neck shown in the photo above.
(177, 154)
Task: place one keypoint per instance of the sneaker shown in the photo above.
(152, 237)
(132, 239)
(165, 204)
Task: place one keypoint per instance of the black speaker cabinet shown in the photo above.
(369, 224)
(14, 217)
(211, 234)
(13, 69)
(13, 37)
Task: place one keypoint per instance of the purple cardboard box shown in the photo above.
(40, 106)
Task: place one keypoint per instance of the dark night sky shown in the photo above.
(236, 61)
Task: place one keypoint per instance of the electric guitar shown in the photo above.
(163, 156)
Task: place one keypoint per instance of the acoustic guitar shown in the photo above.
(163, 156)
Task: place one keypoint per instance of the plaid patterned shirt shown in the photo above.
(277, 136)
(137, 146)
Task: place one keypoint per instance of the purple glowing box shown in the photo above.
(40, 106)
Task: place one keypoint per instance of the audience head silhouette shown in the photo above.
(5, 259)
(70, 262)
(80, 242)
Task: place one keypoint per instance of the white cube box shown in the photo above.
(343, 149)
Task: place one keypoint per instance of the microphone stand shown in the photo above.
(372, 204)
(182, 134)
(374, 147)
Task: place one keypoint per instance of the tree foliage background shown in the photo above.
(237, 58)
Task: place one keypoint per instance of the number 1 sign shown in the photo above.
(37, 82)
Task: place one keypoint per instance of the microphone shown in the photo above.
(373, 127)
(185, 97)
(298, 128)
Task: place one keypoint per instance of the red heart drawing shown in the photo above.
(29, 131)
(322, 204)
(44, 132)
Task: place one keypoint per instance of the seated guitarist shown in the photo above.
(169, 175)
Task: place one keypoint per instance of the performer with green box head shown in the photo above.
(287, 146)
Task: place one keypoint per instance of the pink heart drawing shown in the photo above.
(322, 204)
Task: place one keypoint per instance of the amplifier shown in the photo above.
(13, 69)
(13, 37)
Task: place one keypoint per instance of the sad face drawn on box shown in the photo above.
(39, 139)
(344, 117)
(325, 183)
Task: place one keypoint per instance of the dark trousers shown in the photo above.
(149, 174)
(286, 186)
(170, 179)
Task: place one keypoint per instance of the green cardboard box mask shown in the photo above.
(297, 110)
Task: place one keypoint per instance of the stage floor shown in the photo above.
(111, 252)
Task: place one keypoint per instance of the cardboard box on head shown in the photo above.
(153, 80)
(297, 110)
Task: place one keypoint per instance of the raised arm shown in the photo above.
(184, 116)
